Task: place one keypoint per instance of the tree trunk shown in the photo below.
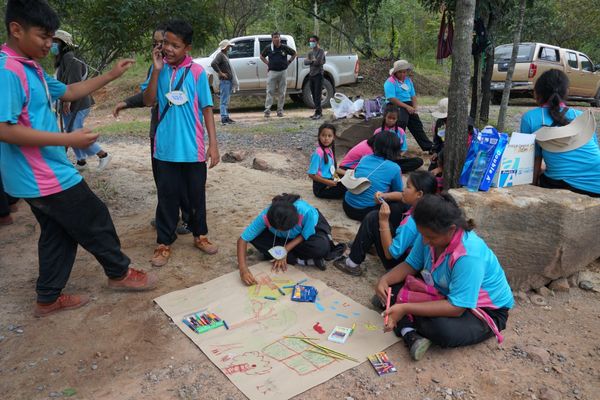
(458, 93)
(486, 78)
(511, 67)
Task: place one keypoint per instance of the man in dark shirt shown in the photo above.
(316, 59)
(276, 57)
(223, 68)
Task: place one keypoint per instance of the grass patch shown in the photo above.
(125, 128)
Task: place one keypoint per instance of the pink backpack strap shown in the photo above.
(482, 315)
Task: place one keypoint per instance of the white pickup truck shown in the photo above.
(252, 72)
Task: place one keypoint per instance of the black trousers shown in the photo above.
(550, 183)
(185, 214)
(73, 217)
(323, 191)
(6, 201)
(315, 247)
(175, 180)
(357, 214)
(415, 126)
(368, 234)
(409, 164)
(316, 87)
(452, 331)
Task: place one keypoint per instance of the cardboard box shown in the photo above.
(516, 165)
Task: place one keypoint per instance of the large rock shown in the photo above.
(539, 235)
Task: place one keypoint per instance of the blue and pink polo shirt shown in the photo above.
(318, 166)
(385, 176)
(355, 154)
(580, 167)
(307, 221)
(28, 94)
(393, 88)
(467, 272)
(406, 236)
(180, 135)
(401, 135)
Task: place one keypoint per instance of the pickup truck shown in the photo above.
(533, 59)
(252, 72)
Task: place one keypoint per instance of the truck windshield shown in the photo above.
(503, 53)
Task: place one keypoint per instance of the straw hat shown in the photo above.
(66, 37)
(225, 43)
(400, 65)
(442, 109)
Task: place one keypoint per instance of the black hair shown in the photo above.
(31, 13)
(439, 212)
(327, 125)
(423, 181)
(181, 29)
(160, 28)
(282, 214)
(387, 145)
(314, 37)
(390, 108)
(275, 34)
(551, 88)
(371, 141)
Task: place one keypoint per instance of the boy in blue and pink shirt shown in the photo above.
(181, 89)
(34, 165)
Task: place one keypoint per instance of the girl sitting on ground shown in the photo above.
(322, 168)
(355, 154)
(391, 115)
(576, 169)
(293, 224)
(462, 296)
(376, 229)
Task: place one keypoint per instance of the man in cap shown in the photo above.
(227, 79)
(399, 90)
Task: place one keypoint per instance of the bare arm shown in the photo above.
(537, 170)
(25, 136)
(81, 89)
(397, 102)
(438, 308)
(396, 275)
(150, 92)
(245, 274)
(320, 179)
(213, 145)
(385, 232)
(389, 196)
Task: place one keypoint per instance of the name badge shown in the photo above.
(332, 170)
(404, 86)
(278, 252)
(177, 97)
(427, 277)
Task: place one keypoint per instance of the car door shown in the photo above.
(244, 63)
(588, 80)
(572, 70)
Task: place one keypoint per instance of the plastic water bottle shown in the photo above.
(477, 172)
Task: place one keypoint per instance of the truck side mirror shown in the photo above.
(596, 67)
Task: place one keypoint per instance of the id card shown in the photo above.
(177, 97)
(427, 277)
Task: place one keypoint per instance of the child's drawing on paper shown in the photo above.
(251, 363)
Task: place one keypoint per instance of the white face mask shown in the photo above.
(278, 252)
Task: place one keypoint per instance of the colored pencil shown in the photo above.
(269, 298)
(225, 325)
(326, 354)
(300, 337)
(301, 282)
(329, 351)
(387, 304)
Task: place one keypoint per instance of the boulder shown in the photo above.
(260, 164)
(234, 156)
(560, 285)
(539, 235)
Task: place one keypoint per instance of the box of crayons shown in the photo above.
(203, 322)
(381, 363)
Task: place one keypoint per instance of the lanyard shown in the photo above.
(286, 239)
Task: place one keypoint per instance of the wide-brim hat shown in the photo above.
(442, 109)
(66, 37)
(353, 184)
(225, 43)
(400, 65)
(568, 137)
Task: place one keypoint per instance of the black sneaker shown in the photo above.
(183, 229)
(280, 114)
(317, 116)
(336, 252)
(320, 263)
(340, 264)
(230, 121)
(417, 344)
(224, 122)
(375, 302)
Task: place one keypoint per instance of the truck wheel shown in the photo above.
(326, 94)
(496, 98)
(297, 98)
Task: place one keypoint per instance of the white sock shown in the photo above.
(404, 331)
(350, 263)
(301, 262)
(310, 262)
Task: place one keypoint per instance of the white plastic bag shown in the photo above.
(341, 105)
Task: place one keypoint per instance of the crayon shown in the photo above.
(269, 297)
(301, 282)
(387, 304)
(280, 290)
(225, 325)
(289, 286)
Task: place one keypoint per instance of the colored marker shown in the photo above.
(387, 304)
(189, 325)
(353, 327)
(269, 298)
(225, 325)
(289, 286)
(280, 291)
(301, 282)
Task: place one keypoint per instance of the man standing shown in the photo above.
(277, 55)
(316, 59)
(399, 90)
(227, 79)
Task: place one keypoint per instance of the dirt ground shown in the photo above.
(122, 346)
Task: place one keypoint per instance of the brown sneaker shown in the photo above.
(161, 255)
(205, 245)
(134, 280)
(64, 302)
(8, 220)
